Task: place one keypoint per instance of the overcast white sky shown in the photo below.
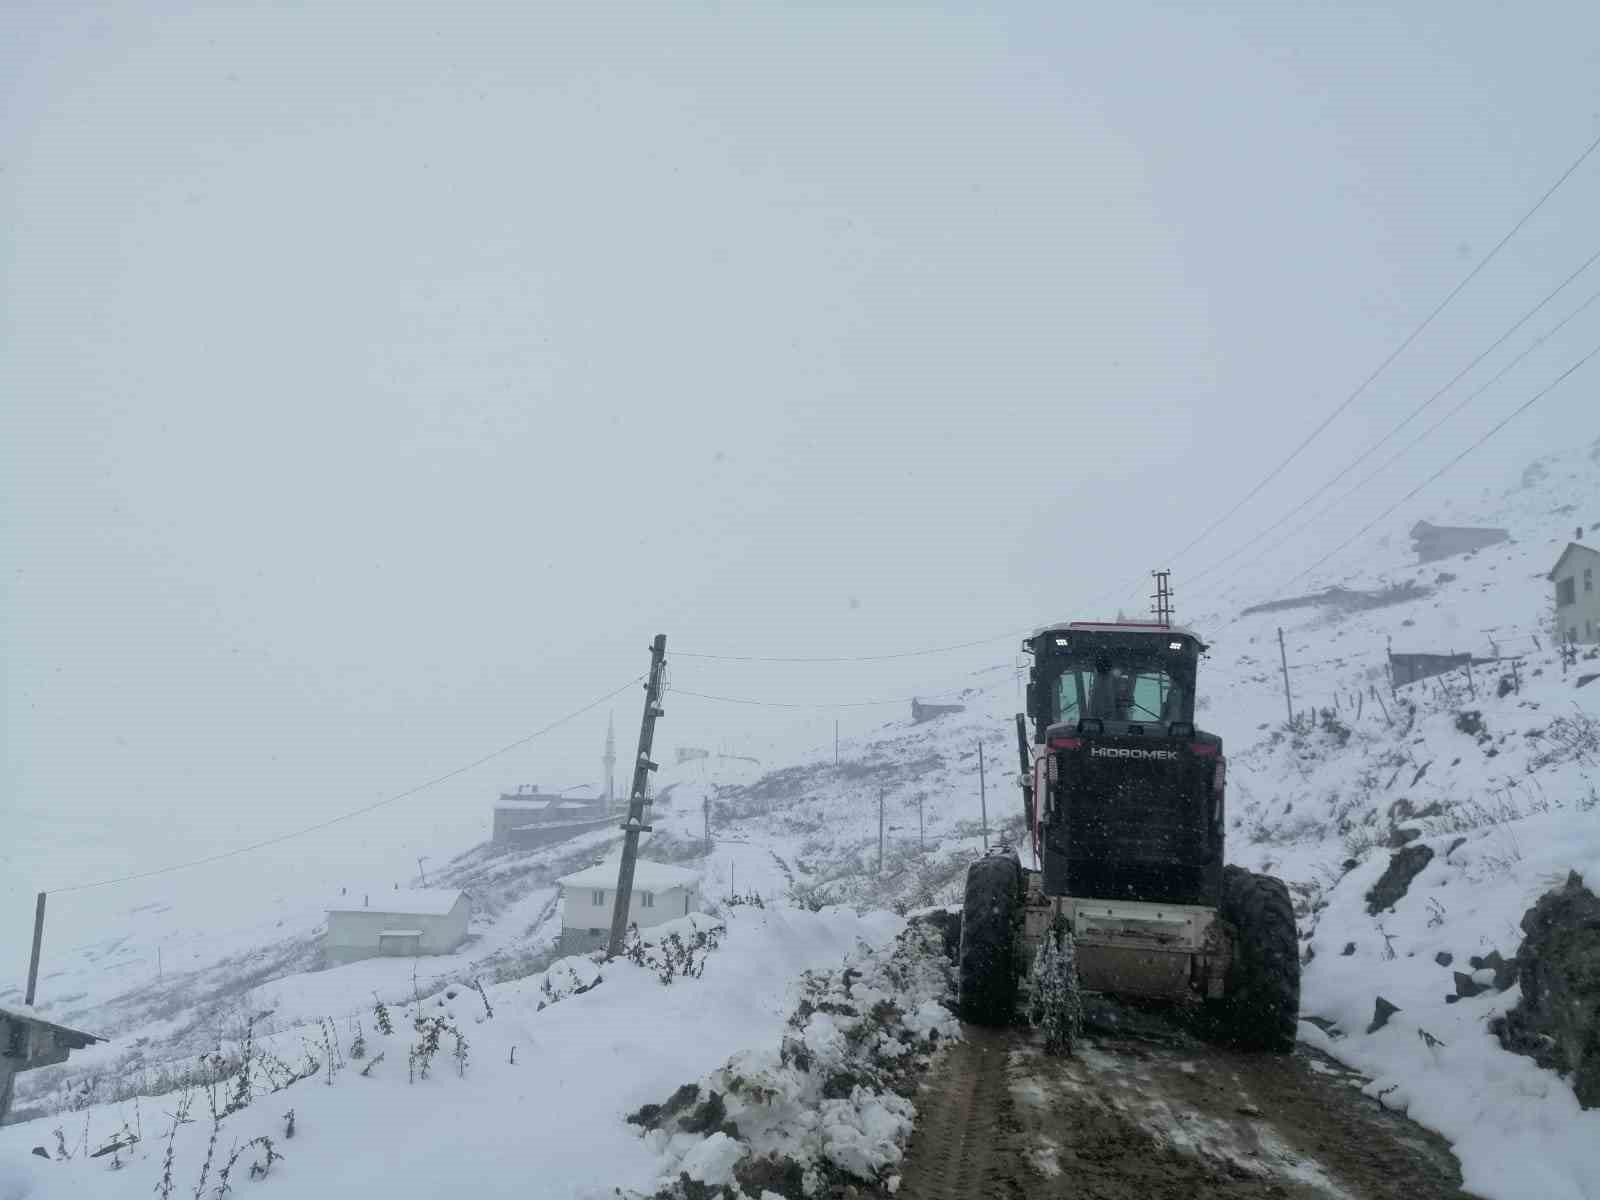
(377, 379)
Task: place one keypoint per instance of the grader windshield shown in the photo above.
(1120, 676)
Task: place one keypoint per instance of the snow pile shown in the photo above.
(534, 1105)
(830, 1101)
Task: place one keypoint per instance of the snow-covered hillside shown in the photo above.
(1496, 777)
(529, 1100)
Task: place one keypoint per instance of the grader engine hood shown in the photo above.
(1131, 817)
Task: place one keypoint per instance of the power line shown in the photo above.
(1518, 411)
(1411, 416)
(355, 812)
(849, 658)
(1399, 350)
(844, 703)
(1423, 436)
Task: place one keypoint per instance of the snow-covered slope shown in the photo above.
(537, 1106)
(1500, 787)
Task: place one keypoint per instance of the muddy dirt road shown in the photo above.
(1164, 1117)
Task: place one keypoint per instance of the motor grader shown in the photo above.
(1127, 888)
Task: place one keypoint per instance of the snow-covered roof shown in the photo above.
(524, 802)
(418, 902)
(1561, 562)
(647, 876)
(26, 1012)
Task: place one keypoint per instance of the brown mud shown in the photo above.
(1160, 1116)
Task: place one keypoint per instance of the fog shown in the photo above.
(377, 380)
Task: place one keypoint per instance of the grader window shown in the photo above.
(1118, 693)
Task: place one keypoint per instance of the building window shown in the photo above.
(647, 899)
(599, 899)
(1588, 579)
(1567, 591)
(596, 932)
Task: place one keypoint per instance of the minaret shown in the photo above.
(610, 761)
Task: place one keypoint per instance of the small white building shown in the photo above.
(1577, 579)
(397, 924)
(661, 893)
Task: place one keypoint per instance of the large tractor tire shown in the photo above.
(990, 924)
(1261, 1004)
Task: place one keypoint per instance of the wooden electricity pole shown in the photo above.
(1283, 657)
(983, 800)
(38, 941)
(634, 825)
(880, 831)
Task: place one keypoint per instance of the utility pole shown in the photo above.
(38, 941)
(983, 800)
(1162, 597)
(880, 831)
(1283, 657)
(642, 766)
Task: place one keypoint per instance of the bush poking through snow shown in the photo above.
(829, 1105)
(674, 956)
(430, 1031)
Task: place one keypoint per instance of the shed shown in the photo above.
(397, 924)
(1432, 542)
(28, 1041)
(661, 893)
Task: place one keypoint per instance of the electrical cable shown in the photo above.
(844, 703)
(850, 658)
(356, 812)
(1411, 416)
(1518, 411)
(1418, 440)
(1393, 355)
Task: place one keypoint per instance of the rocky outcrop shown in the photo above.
(1404, 866)
(1557, 1021)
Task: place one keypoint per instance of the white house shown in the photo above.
(1577, 579)
(399, 923)
(661, 893)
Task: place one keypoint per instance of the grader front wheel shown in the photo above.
(990, 916)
